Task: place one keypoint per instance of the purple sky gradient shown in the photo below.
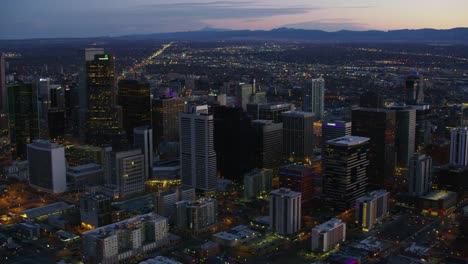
(84, 18)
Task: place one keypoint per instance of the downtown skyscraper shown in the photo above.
(314, 96)
(198, 156)
(23, 117)
(379, 126)
(135, 99)
(345, 170)
(104, 117)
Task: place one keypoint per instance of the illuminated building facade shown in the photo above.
(85, 154)
(23, 117)
(371, 208)
(166, 119)
(165, 201)
(135, 99)
(345, 167)
(104, 122)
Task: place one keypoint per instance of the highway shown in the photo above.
(146, 61)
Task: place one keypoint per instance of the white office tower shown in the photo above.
(197, 216)
(328, 235)
(459, 146)
(120, 241)
(143, 139)
(420, 175)
(285, 211)
(47, 169)
(314, 95)
(198, 156)
(371, 208)
(126, 174)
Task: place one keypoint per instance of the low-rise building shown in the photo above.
(328, 235)
(117, 242)
(371, 208)
(197, 216)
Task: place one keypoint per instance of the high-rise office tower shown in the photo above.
(371, 100)
(143, 139)
(405, 134)
(379, 126)
(299, 178)
(332, 129)
(423, 126)
(269, 143)
(198, 156)
(314, 96)
(126, 173)
(85, 154)
(3, 88)
(23, 117)
(285, 211)
(414, 89)
(328, 235)
(56, 124)
(420, 175)
(371, 208)
(104, 122)
(166, 119)
(47, 168)
(95, 210)
(244, 93)
(234, 142)
(345, 167)
(135, 99)
(297, 135)
(459, 146)
(269, 111)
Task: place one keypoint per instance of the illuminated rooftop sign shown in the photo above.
(106, 57)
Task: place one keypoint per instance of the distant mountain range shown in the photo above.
(423, 36)
(455, 35)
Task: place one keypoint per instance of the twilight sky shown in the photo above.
(83, 18)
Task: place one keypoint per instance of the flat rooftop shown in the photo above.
(298, 114)
(330, 224)
(348, 141)
(46, 210)
(439, 195)
(372, 195)
(285, 192)
(101, 231)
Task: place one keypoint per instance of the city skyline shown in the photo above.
(50, 18)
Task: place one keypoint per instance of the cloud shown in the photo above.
(330, 25)
(139, 17)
